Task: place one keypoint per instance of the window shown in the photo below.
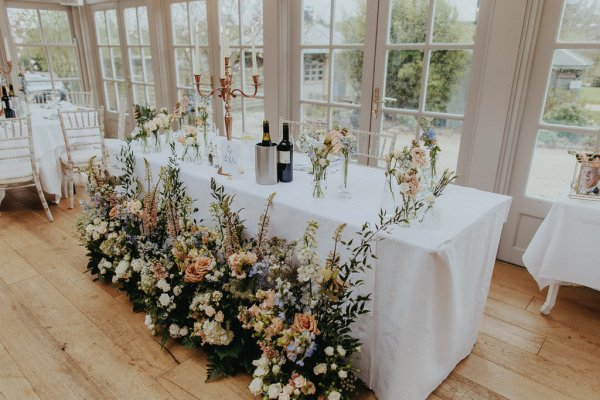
(243, 22)
(332, 45)
(45, 48)
(571, 113)
(428, 57)
(111, 61)
(137, 36)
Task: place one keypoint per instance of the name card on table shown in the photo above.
(230, 156)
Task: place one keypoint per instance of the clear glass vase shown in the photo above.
(343, 189)
(319, 183)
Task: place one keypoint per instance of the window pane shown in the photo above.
(551, 166)
(55, 25)
(143, 24)
(403, 78)
(199, 20)
(316, 16)
(252, 22)
(150, 95)
(573, 96)
(179, 23)
(100, 21)
(448, 80)
(183, 61)
(135, 65)
(449, 132)
(122, 97)
(236, 66)
(24, 25)
(148, 71)
(117, 62)
(347, 76)
(349, 21)
(346, 117)
(131, 27)
(64, 62)
(580, 21)
(230, 19)
(113, 27)
(312, 113)
(105, 60)
(110, 96)
(254, 115)
(315, 76)
(139, 94)
(71, 86)
(455, 21)
(34, 61)
(237, 121)
(249, 83)
(408, 21)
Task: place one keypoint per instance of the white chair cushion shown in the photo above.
(11, 170)
(81, 156)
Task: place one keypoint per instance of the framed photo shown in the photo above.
(586, 178)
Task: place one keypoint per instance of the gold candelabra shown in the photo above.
(226, 93)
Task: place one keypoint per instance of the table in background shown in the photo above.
(429, 286)
(565, 248)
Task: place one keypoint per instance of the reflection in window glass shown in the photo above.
(404, 127)
(408, 21)
(573, 96)
(347, 117)
(24, 25)
(63, 61)
(314, 113)
(54, 23)
(315, 80)
(347, 65)
(552, 167)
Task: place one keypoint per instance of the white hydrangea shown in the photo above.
(215, 334)
(137, 264)
(122, 270)
(343, 374)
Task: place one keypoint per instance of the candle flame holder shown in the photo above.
(226, 93)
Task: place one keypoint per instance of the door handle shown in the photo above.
(377, 101)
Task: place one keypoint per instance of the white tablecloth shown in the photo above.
(430, 284)
(565, 246)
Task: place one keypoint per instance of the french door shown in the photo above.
(417, 62)
(126, 52)
(562, 113)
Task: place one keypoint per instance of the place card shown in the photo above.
(230, 156)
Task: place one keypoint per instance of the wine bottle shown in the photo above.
(285, 152)
(266, 139)
(8, 111)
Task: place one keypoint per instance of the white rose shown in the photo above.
(284, 396)
(333, 367)
(177, 290)
(174, 330)
(219, 317)
(95, 236)
(329, 350)
(341, 351)
(255, 386)
(276, 368)
(320, 369)
(260, 371)
(334, 396)
(209, 310)
(403, 187)
(343, 374)
(274, 390)
(164, 299)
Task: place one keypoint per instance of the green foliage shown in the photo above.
(404, 68)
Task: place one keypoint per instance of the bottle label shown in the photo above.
(284, 157)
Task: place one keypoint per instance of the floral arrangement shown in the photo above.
(257, 304)
(149, 122)
(319, 145)
(180, 110)
(408, 181)
(429, 139)
(189, 139)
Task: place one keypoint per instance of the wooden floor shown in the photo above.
(64, 336)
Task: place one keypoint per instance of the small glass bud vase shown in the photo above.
(156, 145)
(319, 180)
(343, 189)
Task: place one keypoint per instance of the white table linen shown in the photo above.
(429, 285)
(565, 246)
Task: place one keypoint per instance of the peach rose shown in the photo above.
(238, 261)
(305, 322)
(159, 271)
(113, 213)
(201, 266)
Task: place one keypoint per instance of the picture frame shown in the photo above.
(586, 177)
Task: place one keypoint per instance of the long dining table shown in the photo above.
(429, 281)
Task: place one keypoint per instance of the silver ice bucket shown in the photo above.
(265, 164)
